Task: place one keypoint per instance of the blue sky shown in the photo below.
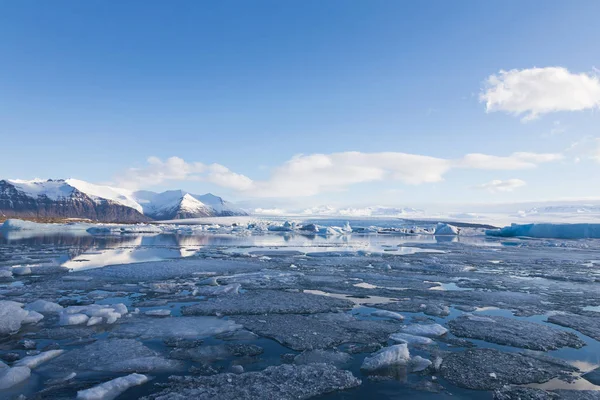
(92, 89)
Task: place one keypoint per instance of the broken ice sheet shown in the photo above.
(180, 327)
(283, 382)
(267, 302)
(486, 369)
(321, 331)
(513, 332)
(111, 355)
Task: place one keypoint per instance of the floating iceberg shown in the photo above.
(12, 316)
(446, 229)
(387, 357)
(111, 389)
(555, 231)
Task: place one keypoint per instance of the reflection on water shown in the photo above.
(83, 251)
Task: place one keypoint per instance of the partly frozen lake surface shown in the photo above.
(241, 313)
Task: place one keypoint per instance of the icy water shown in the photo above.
(289, 315)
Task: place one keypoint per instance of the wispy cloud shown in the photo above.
(536, 91)
(308, 175)
(498, 185)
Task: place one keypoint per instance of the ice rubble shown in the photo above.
(394, 355)
(12, 316)
(92, 314)
(283, 382)
(113, 388)
(556, 231)
(513, 332)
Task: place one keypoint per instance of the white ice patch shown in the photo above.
(429, 330)
(43, 306)
(77, 315)
(410, 339)
(446, 229)
(12, 316)
(33, 362)
(72, 319)
(163, 312)
(388, 314)
(111, 389)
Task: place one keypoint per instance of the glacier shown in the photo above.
(549, 230)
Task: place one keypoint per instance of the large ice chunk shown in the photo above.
(12, 316)
(446, 229)
(428, 330)
(557, 231)
(43, 306)
(111, 389)
(397, 354)
(10, 377)
(410, 339)
(33, 362)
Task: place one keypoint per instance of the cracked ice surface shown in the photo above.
(509, 331)
(485, 369)
(281, 382)
(268, 302)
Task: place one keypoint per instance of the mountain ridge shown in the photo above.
(73, 198)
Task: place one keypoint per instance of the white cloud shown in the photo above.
(519, 160)
(222, 176)
(537, 91)
(308, 175)
(177, 169)
(498, 185)
(158, 171)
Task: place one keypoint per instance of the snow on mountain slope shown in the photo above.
(98, 192)
(53, 189)
(84, 199)
(222, 207)
(172, 204)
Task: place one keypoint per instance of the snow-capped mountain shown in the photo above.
(72, 198)
(59, 199)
